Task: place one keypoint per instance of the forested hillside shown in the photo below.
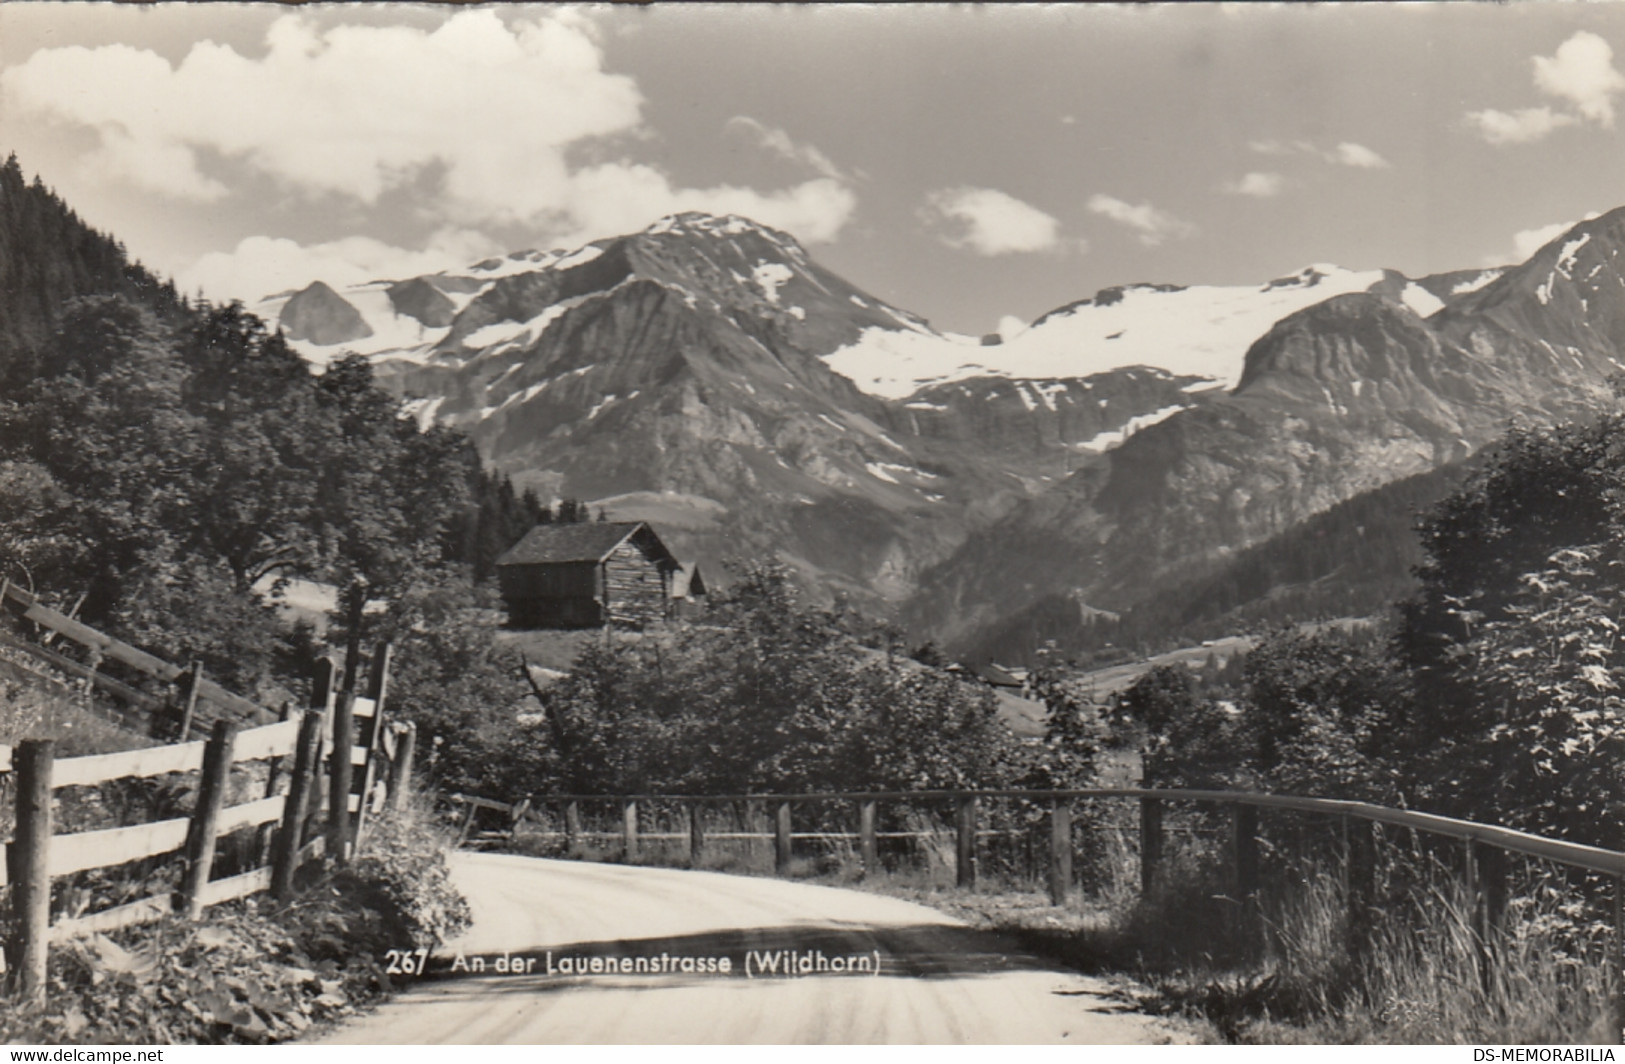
(49, 256)
(1353, 560)
(158, 459)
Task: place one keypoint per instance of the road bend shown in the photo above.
(701, 957)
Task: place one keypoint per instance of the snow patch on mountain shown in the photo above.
(1107, 440)
(1476, 283)
(1422, 301)
(422, 411)
(895, 365)
(1200, 331)
(400, 334)
(768, 276)
(502, 336)
(518, 262)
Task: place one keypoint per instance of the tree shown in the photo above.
(261, 446)
(1317, 715)
(1190, 741)
(769, 694)
(1513, 639)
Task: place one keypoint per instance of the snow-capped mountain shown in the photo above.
(709, 374)
(1201, 331)
(1341, 397)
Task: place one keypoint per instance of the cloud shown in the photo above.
(1357, 155)
(1009, 326)
(1526, 242)
(1347, 153)
(1260, 184)
(356, 110)
(1520, 127)
(488, 111)
(990, 222)
(1152, 226)
(260, 266)
(1580, 74)
(784, 146)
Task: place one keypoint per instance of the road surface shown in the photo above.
(938, 980)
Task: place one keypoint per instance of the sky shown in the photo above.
(977, 165)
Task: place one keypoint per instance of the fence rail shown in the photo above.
(1573, 854)
(226, 705)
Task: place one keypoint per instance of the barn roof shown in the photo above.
(591, 541)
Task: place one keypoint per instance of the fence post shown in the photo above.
(371, 734)
(572, 824)
(1150, 843)
(1492, 877)
(322, 677)
(306, 754)
(466, 826)
(339, 776)
(194, 682)
(211, 797)
(1244, 839)
(868, 851)
(1060, 852)
(520, 811)
(400, 766)
(1359, 877)
(273, 776)
(781, 840)
(340, 770)
(30, 872)
(629, 828)
(965, 851)
(696, 834)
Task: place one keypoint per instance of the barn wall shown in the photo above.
(635, 588)
(555, 613)
(558, 580)
(560, 595)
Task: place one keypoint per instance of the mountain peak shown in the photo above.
(320, 315)
(702, 223)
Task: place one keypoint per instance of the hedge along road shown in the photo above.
(800, 968)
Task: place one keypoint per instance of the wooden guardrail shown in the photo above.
(299, 820)
(1483, 845)
(1575, 855)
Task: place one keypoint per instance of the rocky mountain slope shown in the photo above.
(684, 374)
(708, 374)
(1338, 398)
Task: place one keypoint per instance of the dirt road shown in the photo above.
(937, 981)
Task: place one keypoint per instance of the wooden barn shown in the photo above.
(587, 576)
(688, 593)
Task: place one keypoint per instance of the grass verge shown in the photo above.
(1424, 973)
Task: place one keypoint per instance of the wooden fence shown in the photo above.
(294, 814)
(198, 701)
(1482, 846)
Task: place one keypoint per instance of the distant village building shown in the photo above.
(1002, 676)
(587, 576)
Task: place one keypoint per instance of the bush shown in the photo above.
(400, 877)
(767, 695)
